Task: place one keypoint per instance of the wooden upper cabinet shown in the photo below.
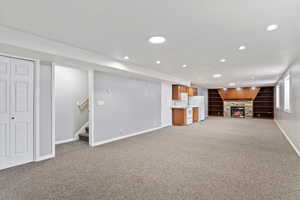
(183, 89)
(195, 91)
(192, 91)
(177, 90)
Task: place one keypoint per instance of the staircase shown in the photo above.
(84, 131)
(85, 135)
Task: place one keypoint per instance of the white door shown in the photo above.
(16, 112)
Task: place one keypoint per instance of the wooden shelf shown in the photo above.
(215, 103)
(263, 104)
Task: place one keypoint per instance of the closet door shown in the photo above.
(4, 111)
(19, 107)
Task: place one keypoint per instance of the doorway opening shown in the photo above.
(71, 90)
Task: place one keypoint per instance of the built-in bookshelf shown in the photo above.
(215, 103)
(263, 104)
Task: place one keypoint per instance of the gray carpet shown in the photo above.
(218, 159)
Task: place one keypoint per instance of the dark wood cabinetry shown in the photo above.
(263, 104)
(215, 103)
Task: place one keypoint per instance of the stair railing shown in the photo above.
(83, 104)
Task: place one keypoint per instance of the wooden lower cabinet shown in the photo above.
(179, 116)
(195, 115)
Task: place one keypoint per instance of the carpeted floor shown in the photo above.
(221, 159)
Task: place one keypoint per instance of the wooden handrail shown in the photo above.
(83, 104)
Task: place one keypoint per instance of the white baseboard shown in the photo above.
(67, 141)
(127, 136)
(287, 138)
(46, 157)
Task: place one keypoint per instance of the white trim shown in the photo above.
(46, 157)
(91, 107)
(67, 141)
(127, 136)
(37, 111)
(53, 107)
(287, 138)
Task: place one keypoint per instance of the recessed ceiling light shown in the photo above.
(238, 88)
(126, 58)
(242, 48)
(217, 75)
(253, 88)
(223, 60)
(157, 62)
(272, 27)
(231, 84)
(157, 40)
(225, 89)
(184, 66)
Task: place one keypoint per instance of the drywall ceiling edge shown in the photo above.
(41, 45)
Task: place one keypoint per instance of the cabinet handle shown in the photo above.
(13, 118)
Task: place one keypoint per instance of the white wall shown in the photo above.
(45, 136)
(71, 86)
(130, 106)
(166, 104)
(290, 121)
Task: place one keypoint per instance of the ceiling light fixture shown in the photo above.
(217, 75)
(238, 88)
(272, 27)
(225, 89)
(253, 88)
(231, 84)
(157, 62)
(242, 48)
(223, 60)
(184, 66)
(126, 58)
(157, 40)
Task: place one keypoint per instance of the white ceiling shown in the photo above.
(199, 33)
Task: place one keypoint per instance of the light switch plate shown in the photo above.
(100, 103)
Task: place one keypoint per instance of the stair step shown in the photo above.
(84, 137)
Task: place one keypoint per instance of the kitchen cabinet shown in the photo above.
(195, 115)
(179, 116)
(195, 91)
(192, 91)
(177, 90)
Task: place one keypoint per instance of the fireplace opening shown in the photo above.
(237, 111)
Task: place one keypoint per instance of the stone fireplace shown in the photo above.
(238, 108)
